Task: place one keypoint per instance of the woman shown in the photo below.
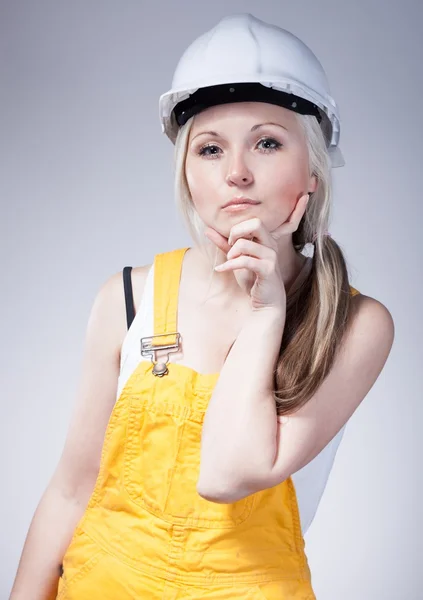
(240, 367)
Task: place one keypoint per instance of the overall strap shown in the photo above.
(167, 274)
(129, 298)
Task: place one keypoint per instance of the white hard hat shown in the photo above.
(245, 59)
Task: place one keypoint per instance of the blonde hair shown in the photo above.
(319, 310)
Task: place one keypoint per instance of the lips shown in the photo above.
(240, 200)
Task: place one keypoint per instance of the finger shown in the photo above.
(262, 268)
(252, 229)
(218, 239)
(250, 248)
(295, 217)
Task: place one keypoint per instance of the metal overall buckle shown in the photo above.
(160, 368)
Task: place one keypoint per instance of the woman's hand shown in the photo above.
(255, 263)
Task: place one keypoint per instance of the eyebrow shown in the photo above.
(253, 128)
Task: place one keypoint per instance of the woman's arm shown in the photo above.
(65, 499)
(48, 537)
(239, 429)
(245, 447)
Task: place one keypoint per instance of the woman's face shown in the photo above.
(231, 153)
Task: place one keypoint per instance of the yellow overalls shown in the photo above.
(146, 533)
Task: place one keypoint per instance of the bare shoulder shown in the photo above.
(372, 319)
(110, 301)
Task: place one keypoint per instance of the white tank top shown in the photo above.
(309, 482)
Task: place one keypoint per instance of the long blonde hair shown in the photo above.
(318, 310)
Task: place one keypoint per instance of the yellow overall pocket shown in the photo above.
(161, 466)
(81, 556)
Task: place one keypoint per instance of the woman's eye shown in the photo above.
(266, 150)
(202, 151)
(276, 144)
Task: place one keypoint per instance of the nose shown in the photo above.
(238, 172)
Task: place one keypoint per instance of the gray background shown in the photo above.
(86, 188)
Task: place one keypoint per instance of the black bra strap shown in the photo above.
(129, 298)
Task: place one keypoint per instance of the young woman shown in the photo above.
(241, 365)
